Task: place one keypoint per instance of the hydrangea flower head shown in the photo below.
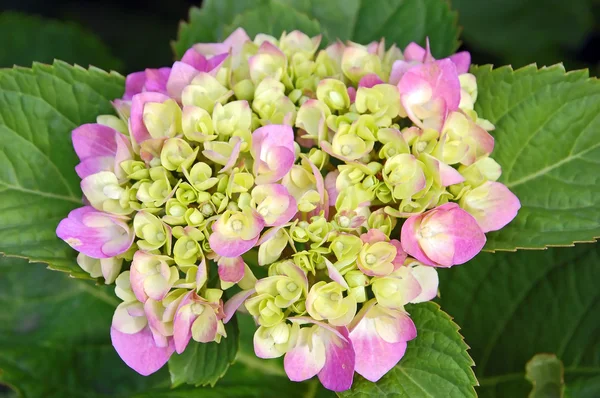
(351, 172)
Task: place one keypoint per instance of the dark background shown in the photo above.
(138, 32)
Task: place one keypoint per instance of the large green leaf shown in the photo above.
(362, 21)
(202, 364)
(39, 108)
(513, 306)
(548, 144)
(436, 363)
(27, 38)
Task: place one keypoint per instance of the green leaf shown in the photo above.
(525, 31)
(401, 22)
(546, 373)
(205, 363)
(361, 21)
(548, 144)
(27, 38)
(39, 108)
(436, 363)
(54, 337)
(512, 306)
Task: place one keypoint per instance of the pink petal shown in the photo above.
(156, 80)
(181, 76)
(231, 269)
(94, 140)
(195, 59)
(497, 208)
(449, 175)
(338, 371)
(374, 356)
(301, 363)
(230, 247)
(93, 165)
(335, 275)
(374, 235)
(234, 303)
(110, 238)
(414, 52)
(134, 84)
(139, 352)
(408, 239)
(332, 192)
(428, 280)
(136, 121)
(370, 80)
(182, 324)
(399, 68)
(462, 60)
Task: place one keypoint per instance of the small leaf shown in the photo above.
(205, 363)
(401, 22)
(546, 373)
(548, 144)
(39, 108)
(512, 306)
(28, 38)
(206, 24)
(273, 19)
(436, 363)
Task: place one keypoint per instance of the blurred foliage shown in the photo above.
(516, 32)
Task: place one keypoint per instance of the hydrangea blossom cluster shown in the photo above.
(351, 172)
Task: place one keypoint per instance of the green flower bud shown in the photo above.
(405, 175)
(325, 66)
(234, 118)
(304, 261)
(186, 251)
(356, 278)
(382, 101)
(277, 340)
(393, 143)
(346, 248)
(263, 308)
(220, 201)
(162, 119)
(334, 94)
(353, 197)
(421, 141)
(318, 158)
(174, 212)
(382, 221)
(197, 124)
(150, 230)
(205, 91)
(135, 169)
(194, 217)
(357, 62)
(392, 291)
(186, 194)
(485, 169)
(326, 301)
(244, 90)
(200, 177)
(270, 250)
(377, 258)
(347, 144)
(312, 117)
(239, 182)
(318, 230)
(468, 91)
(177, 154)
